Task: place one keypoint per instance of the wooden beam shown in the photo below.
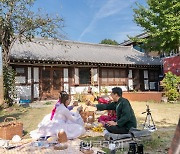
(32, 83)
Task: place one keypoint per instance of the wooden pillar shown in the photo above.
(32, 83)
(71, 79)
(99, 79)
(127, 78)
(40, 83)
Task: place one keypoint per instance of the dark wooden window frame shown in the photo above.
(79, 84)
(25, 74)
(122, 76)
(153, 76)
(89, 70)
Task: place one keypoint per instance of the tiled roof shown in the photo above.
(51, 50)
(129, 42)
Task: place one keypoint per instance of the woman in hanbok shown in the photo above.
(60, 118)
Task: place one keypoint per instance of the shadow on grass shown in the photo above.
(15, 115)
(13, 111)
(164, 122)
(159, 124)
(159, 142)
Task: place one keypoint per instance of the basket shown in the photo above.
(88, 97)
(10, 128)
(86, 116)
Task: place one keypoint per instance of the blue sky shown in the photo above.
(94, 20)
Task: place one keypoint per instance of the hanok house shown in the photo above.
(171, 60)
(44, 67)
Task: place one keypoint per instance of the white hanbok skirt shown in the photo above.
(49, 127)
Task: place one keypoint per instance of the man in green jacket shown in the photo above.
(125, 114)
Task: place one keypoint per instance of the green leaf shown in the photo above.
(161, 20)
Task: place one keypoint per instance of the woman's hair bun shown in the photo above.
(62, 93)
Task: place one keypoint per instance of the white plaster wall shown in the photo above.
(36, 74)
(146, 84)
(146, 74)
(95, 75)
(82, 89)
(109, 88)
(29, 74)
(36, 90)
(130, 81)
(65, 75)
(76, 76)
(23, 92)
(66, 87)
(130, 84)
(20, 79)
(130, 74)
(95, 88)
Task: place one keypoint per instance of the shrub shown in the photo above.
(170, 83)
(9, 85)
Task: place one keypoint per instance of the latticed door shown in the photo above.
(136, 82)
(51, 83)
(57, 84)
(46, 81)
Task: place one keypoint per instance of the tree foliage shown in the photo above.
(19, 22)
(109, 41)
(161, 20)
(9, 86)
(171, 83)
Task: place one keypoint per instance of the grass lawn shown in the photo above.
(165, 116)
(30, 117)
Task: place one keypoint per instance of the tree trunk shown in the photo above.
(175, 146)
(1, 80)
(6, 43)
(5, 54)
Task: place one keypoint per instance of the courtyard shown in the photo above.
(165, 116)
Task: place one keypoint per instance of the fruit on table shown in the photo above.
(97, 129)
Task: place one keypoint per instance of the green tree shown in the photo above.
(170, 83)
(9, 82)
(109, 41)
(19, 22)
(161, 20)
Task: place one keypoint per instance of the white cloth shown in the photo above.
(70, 122)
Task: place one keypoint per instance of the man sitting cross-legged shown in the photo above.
(125, 114)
